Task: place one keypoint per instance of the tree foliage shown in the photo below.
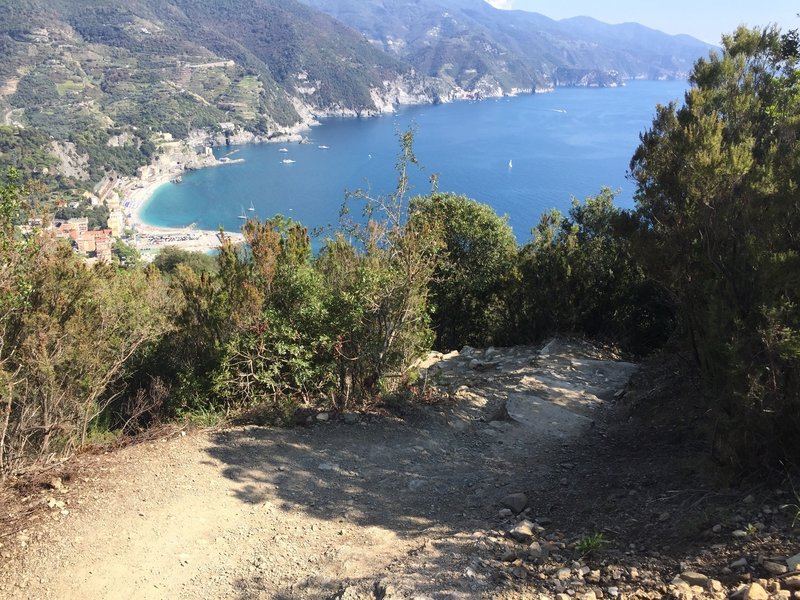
(580, 273)
(278, 327)
(718, 193)
(68, 336)
(380, 287)
(474, 272)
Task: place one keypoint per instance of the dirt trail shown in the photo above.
(350, 507)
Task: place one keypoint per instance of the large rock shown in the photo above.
(535, 551)
(693, 578)
(522, 532)
(774, 568)
(563, 574)
(755, 592)
(516, 502)
(794, 562)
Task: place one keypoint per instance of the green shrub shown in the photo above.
(474, 270)
(718, 196)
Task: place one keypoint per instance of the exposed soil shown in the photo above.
(412, 505)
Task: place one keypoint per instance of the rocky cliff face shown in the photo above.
(565, 77)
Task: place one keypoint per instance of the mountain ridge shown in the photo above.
(246, 70)
(515, 48)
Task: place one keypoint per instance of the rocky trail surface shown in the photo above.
(485, 494)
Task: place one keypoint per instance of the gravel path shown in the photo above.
(348, 507)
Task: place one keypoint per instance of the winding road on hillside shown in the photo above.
(351, 506)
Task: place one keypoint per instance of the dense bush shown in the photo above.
(170, 258)
(277, 326)
(581, 273)
(68, 335)
(474, 272)
(718, 192)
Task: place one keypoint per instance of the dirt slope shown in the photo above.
(349, 507)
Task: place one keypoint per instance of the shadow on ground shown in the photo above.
(380, 473)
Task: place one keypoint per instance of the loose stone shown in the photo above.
(516, 502)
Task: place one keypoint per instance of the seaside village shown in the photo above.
(94, 245)
(124, 196)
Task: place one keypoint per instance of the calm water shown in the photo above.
(564, 144)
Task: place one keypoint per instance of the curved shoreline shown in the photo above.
(137, 193)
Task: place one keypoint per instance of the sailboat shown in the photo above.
(510, 165)
(243, 216)
(252, 208)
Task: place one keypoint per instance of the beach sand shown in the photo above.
(136, 193)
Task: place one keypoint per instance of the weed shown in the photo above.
(204, 417)
(590, 543)
(795, 506)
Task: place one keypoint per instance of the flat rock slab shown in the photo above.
(544, 417)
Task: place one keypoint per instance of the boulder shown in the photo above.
(774, 568)
(694, 578)
(755, 592)
(793, 562)
(522, 532)
(516, 502)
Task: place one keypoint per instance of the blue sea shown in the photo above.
(522, 155)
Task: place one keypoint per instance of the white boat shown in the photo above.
(252, 208)
(510, 164)
(287, 161)
(322, 147)
(283, 150)
(243, 216)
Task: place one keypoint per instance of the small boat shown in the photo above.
(510, 165)
(283, 150)
(252, 208)
(322, 147)
(287, 161)
(243, 216)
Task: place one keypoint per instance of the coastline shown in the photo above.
(180, 156)
(135, 193)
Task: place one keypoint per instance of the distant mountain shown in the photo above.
(98, 78)
(288, 46)
(478, 48)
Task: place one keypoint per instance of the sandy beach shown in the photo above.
(135, 194)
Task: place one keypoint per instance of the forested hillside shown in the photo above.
(107, 76)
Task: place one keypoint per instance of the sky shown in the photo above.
(704, 19)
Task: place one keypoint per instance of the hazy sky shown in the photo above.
(704, 19)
